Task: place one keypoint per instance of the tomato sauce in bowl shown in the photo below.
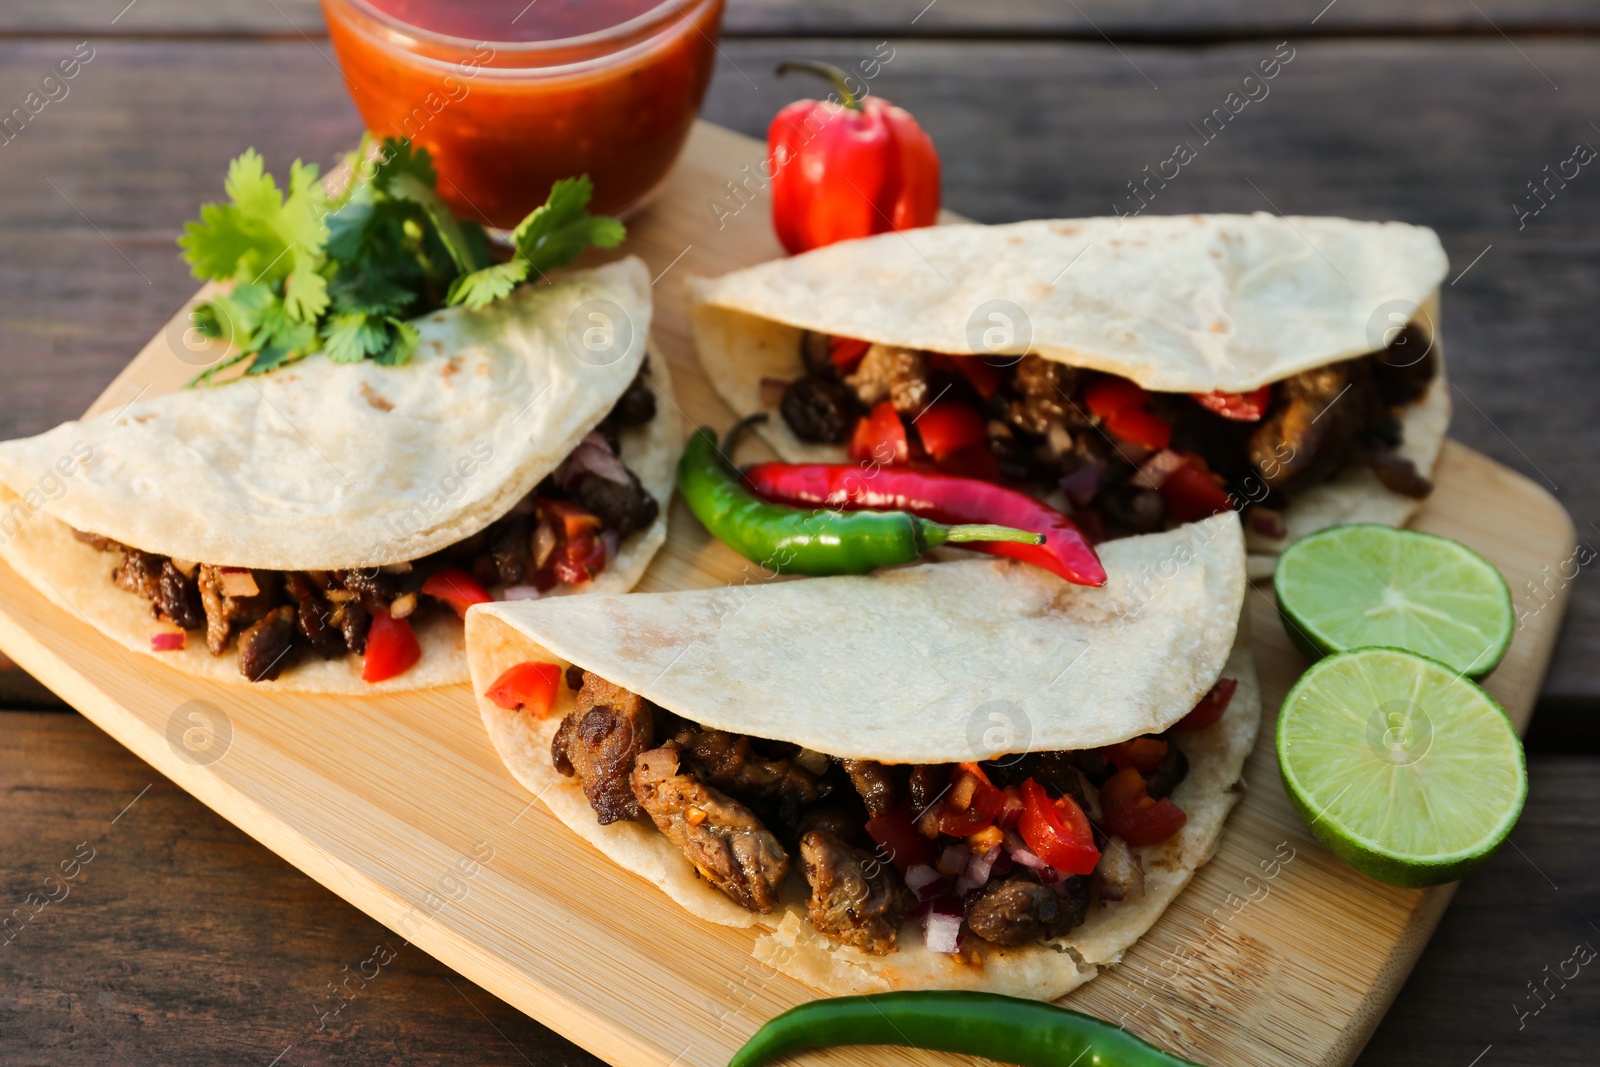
(510, 96)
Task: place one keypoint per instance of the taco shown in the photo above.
(320, 528)
(1144, 371)
(893, 777)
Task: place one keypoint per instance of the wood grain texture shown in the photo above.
(461, 862)
(1125, 20)
(176, 900)
(1027, 130)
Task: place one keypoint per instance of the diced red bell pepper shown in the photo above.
(573, 519)
(846, 353)
(457, 588)
(947, 426)
(898, 840)
(1107, 396)
(881, 437)
(1143, 754)
(971, 804)
(1129, 812)
(530, 686)
(1057, 831)
(1243, 407)
(1192, 493)
(1139, 427)
(580, 559)
(1211, 706)
(392, 648)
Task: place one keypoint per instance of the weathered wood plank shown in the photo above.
(181, 941)
(1087, 19)
(184, 942)
(1026, 130)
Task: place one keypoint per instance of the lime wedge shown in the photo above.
(1402, 768)
(1363, 585)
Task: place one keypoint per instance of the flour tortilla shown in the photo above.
(1191, 303)
(323, 466)
(714, 656)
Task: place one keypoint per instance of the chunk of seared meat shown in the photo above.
(269, 645)
(927, 785)
(94, 540)
(637, 404)
(1018, 910)
(315, 617)
(1399, 475)
(722, 838)
(1404, 370)
(222, 610)
(856, 899)
(599, 740)
(621, 507)
(178, 598)
(880, 787)
(1320, 417)
(1053, 770)
(820, 410)
(1043, 390)
(898, 375)
(733, 762)
(138, 573)
(1173, 769)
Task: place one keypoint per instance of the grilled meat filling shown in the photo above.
(1018, 910)
(722, 838)
(856, 899)
(599, 741)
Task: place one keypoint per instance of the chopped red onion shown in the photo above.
(1158, 468)
(1268, 523)
(980, 867)
(965, 885)
(954, 860)
(942, 933)
(168, 642)
(1082, 484)
(772, 390)
(926, 882)
(1019, 853)
(520, 592)
(592, 456)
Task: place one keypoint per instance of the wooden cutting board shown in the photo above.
(1275, 954)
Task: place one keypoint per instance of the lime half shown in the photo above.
(1362, 585)
(1402, 768)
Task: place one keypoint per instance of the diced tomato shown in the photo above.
(1211, 706)
(948, 426)
(531, 686)
(1130, 814)
(580, 559)
(1057, 831)
(1192, 493)
(1140, 427)
(1143, 754)
(457, 588)
(971, 804)
(392, 648)
(898, 840)
(1107, 396)
(881, 437)
(574, 520)
(1244, 407)
(846, 353)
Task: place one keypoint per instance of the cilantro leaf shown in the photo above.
(410, 187)
(556, 232)
(481, 288)
(352, 336)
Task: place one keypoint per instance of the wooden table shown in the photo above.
(185, 942)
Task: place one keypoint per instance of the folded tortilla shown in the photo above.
(325, 466)
(938, 662)
(1191, 303)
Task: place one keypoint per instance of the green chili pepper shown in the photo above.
(808, 541)
(1024, 1032)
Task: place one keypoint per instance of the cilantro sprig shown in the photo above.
(346, 274)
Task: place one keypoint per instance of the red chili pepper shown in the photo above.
(1143, 754)
(1211, 706)
(943, 498)
(1192, 493)
(1057, 831)
(1244, 407)
(457, 588)
(846, 353)
(392, 648)
(899, 841)
(532, 686)
(947, 426)
(971, 804)
(881, 437)
(1130, 814)
(848, 169)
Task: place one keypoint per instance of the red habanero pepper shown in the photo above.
(941, 497)
(846, 169)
